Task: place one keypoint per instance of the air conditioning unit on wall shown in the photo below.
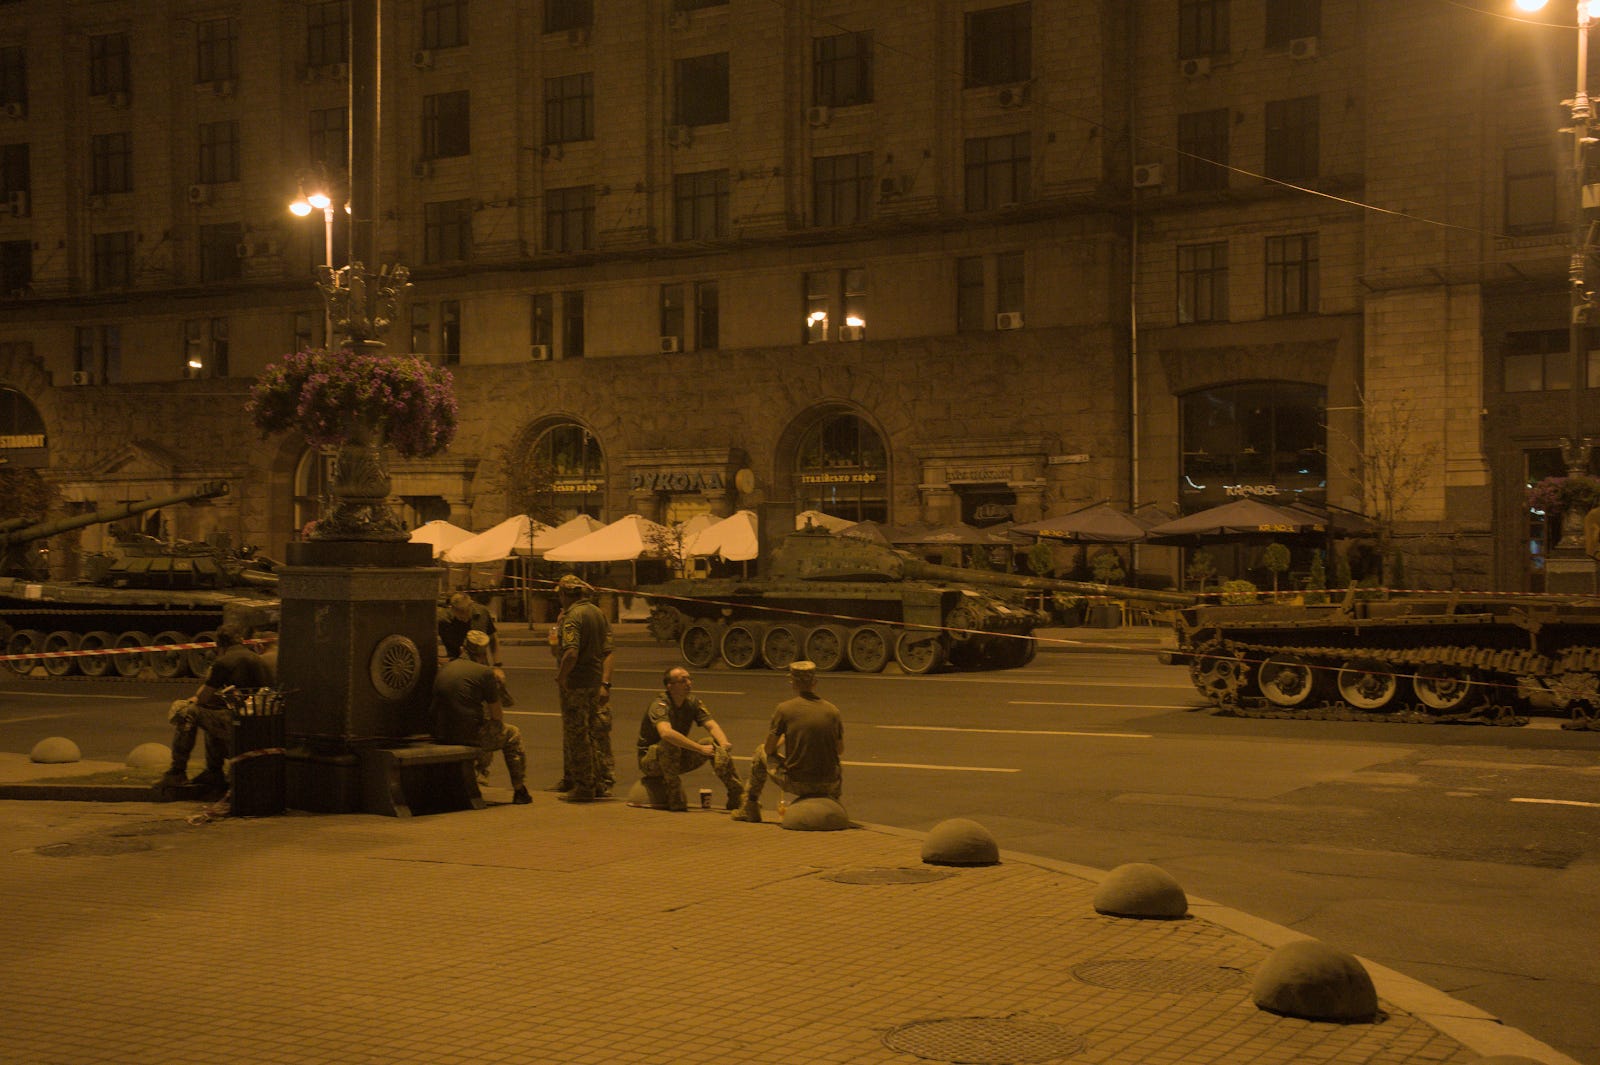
(1147, 175)
(1197, 67)
(83, 377)
(1008, 320)
(540, 352)
(818, 116)
(668, 345)
(1303, 48)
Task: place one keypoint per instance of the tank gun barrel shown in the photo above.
(12, 536)
(915, 568)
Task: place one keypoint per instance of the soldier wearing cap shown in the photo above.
(803, 746)
(460, 617)
(467, 710)
(583, 676)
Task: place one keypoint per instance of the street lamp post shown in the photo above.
(320, 201)
(1567, 567)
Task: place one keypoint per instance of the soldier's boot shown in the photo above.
(735, 798)
(211, 781)
(174, 778)
(750, 811)
(520, 796)
(676, 801)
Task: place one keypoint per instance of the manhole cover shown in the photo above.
(984, 1040)
(94, 848)
(1175, 976)
(888, 876)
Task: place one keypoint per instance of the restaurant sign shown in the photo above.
(23, 449)
(576, 487)
(1240, 490)
(859, 477)
(979, 473)
(676, 481)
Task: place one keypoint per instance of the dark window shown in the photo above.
(999, 45)
(327, 33)
(113, 260)
(97, 350)
(841, 189)
(700, 90)
(1010, 283)
(108, 63)
(1262, 434)
(217, 50)
(330, 138)
(997, 171)
(561, 15)
(446, 231)
(1530, 183)
(1289, 19)
(450, 331)
(15, 170)
(421, 328)
(841, 70)
(1292, 134)
(1540, 360)
(572, 325)
(707, 315)
(842, 469)
(304, 332)
(13, 75)
(569, 219)
(672, 319)
(1203, 143)
(1203, 282)
(16, 267)
(446, 125)
(205, 347)
(700, 205)
(110, 162)
(970, 317)
(569, 109)
(444, 23)
(542, 311)
(219, 251)
(1202, 28)
(219, 152)
(1292, 274)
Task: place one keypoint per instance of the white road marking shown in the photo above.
(35, 717)
(1559, 802)
(79, 695)
(942, 768)
(1119, 706)
(1015, 731)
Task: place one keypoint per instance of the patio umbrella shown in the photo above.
(566, 532)
(964, 535)
(514, 536)
(625, 539)
(821, 521)
(440, 535)
(1099, 524)
(734, 538)
(1237, 520)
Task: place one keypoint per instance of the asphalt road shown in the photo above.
(1468, 857)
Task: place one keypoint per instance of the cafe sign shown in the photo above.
(839, 478)
(1251, 490)
(676, 481)
(576, 487)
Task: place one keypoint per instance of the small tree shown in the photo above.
(1041, 559)
(1389, 462)
(1276, 559)
(672, 544)
(1201, 567)
(1317, 583)
(1106, 565)
(1238, 593)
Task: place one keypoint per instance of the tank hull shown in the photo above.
(1419, 658)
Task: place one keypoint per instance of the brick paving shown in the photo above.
(606, 934)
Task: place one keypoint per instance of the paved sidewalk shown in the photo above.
(575, 934)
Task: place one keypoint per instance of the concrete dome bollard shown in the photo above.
(55, 751)
(149, 756)
(960, 841)
(1313, 981)
(816, 813)
(1139, 889)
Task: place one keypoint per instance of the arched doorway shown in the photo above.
(841, 466)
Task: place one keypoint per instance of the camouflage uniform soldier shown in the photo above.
(583, 674)
(803, 746)
(466, 706)
(666, 752)
(236, 666)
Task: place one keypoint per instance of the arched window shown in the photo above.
(842, 468)
(313, 482)
(557, 472)
(1257, 438)
(22, 442)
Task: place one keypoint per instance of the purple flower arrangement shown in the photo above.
(1555, 495)
(339, 397)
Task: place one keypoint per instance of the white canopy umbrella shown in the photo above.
(440, 535)
(566, 532)
(623, 540)
(514, 536)
(734, 538)
(821, 521)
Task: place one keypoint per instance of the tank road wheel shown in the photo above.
(96, 665)
(698, 645)
(1367, 685)
(868, 649)
(919, 651)
(24, 642)
(741, 644)
(780, 645)
(60, 640)
(1442, 689)
(129, 665)
(199, 659)
(1287, 682)
(825, 645)
(168, 664)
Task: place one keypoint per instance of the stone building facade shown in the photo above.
(953, 260)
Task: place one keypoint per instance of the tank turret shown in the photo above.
(844, 602)
(15, 538)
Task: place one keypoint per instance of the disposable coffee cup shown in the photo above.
(705, 798)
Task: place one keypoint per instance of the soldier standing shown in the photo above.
(583, 676)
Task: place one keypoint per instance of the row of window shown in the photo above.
(1292, 136)
(1290, 284)
(1203, 25)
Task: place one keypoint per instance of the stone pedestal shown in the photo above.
(1568, 571)
(357, 659)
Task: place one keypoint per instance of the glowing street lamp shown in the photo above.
(301, 208)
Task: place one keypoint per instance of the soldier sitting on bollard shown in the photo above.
(236, 666)
(803, 746)
(666, 752)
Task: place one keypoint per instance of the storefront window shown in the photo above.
(1263, 439)
(561, 474)
(842, 468)
(313, 480)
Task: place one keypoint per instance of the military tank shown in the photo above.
(847, 603)
(147, 593)
(1419, 657)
